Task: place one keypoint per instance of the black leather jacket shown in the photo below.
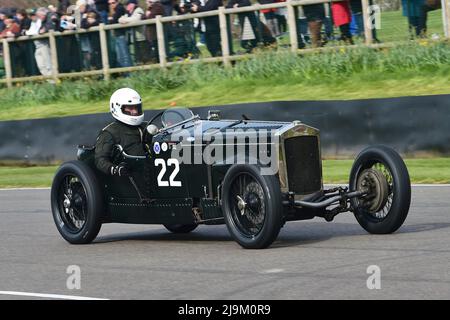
(129, 137)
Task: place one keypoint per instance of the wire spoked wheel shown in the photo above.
(73, 203)
(382, 175)
(77, 202)
(248, 205)
(252, 206)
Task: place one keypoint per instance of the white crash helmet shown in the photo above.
(126, 98)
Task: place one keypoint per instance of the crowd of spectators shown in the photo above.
(182, 39)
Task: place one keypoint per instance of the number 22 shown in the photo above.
(172, 182)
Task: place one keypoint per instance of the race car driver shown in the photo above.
(127, 131)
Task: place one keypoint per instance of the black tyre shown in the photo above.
(381, 171)
(181, 228)
(77, 203)
(252, 206)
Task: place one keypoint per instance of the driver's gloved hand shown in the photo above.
(120, 170)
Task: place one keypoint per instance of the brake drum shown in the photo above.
(375, 182)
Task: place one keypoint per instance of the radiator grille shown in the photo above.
(303, 164)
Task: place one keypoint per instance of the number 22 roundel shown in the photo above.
(172, 178)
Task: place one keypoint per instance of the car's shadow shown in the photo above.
(318, 232)
(162, 234)
(292, 234)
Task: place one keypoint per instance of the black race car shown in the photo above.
(251, 175)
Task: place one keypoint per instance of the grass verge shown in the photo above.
(279, 75)
(436, 170)
(422, 171)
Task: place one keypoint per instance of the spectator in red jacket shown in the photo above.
(342, 17)
(12, 29)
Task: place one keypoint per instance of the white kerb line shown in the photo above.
(46, 295)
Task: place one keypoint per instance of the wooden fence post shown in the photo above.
(7, 63)
(104, 51)
(292, 23)
(161, 42)
(225, 42)
(446, 17)
(447, 10)
(54, 55)
(367, 23)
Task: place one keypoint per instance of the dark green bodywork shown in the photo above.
(197, 200)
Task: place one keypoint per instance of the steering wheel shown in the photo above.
(164, 121)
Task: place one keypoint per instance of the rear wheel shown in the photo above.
(181, 228)
(381, 172)
(77, 203)
(252, 206)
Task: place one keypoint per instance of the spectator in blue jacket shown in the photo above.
(2, 20)
(102, 7)
(121, 43)
(415, 11)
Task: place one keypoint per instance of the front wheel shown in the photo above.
(380, 172)
(252, 206)
(77, 203)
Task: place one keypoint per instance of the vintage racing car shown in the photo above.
(251, 175)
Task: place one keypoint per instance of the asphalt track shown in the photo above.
(310, 260)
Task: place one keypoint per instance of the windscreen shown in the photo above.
(175, 115)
